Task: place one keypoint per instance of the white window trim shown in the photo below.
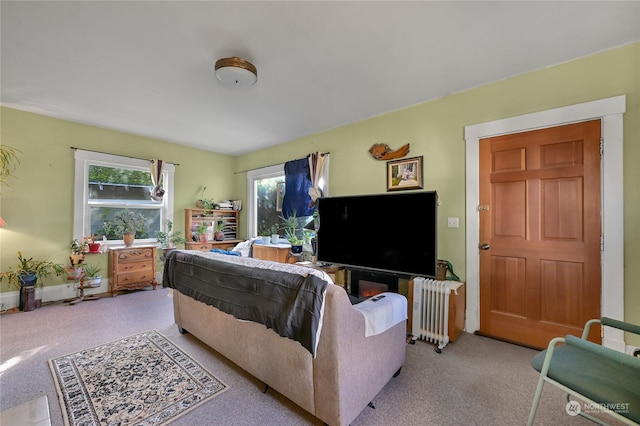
(85, 158)
(252, 177)
(610, 112)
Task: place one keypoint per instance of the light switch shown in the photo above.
(452, 222)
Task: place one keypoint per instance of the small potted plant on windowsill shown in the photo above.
(27, 273)
(126, 223)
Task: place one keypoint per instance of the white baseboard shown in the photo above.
(54, 293)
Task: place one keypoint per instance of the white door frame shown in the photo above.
(609, 111)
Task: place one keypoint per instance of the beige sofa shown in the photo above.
(347, 373)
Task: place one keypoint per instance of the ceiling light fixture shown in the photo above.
(236, 72)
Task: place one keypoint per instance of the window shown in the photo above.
(262, 213)
(107, 184)
(265, 192)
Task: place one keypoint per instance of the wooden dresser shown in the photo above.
(131, 268)
(274, 253)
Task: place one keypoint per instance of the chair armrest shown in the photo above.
(619, 357)
(610, 322)
(631, 328)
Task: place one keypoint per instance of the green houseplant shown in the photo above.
(293, 232)
(205, 203)
(9, 160)
(202, 231)
(28, 271)
(128, 224)
(218, 234)
(91, 277)
(168, 239)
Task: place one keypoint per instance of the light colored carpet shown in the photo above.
(142, 379)
(474, 381)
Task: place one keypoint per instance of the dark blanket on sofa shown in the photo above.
(291, 304)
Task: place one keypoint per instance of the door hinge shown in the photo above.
(483, 208)
(601, 242)
(601, 146)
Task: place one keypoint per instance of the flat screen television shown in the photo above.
(394, 232)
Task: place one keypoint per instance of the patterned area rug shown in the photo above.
(143, 380)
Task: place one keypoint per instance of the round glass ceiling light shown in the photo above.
(236, 72)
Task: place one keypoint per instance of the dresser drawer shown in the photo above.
(139, 265)
(125, 280)
(135, 255)
(199, 246)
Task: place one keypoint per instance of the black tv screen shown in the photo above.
(389, 232)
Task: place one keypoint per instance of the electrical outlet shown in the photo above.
(453, 222)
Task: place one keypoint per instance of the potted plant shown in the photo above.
(91, 277)
(296, 243)
(291, 225)
(205, 203)
(126, 223)
(27, 273)
(77, 256)
(9, 160)
(202, 231)
(218, 235)
(168, 239)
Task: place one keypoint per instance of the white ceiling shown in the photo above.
(146, 67)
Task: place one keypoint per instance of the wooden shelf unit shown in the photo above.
(194, 217)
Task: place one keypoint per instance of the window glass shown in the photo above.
(269, 192)
(114, 189)
(107, 185)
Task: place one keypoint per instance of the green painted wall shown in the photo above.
(435, 130)
(38, 206)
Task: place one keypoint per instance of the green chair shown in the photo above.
(605, 379)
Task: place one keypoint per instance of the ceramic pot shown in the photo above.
(129, 238)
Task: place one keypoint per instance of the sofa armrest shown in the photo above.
(382, 312)
(351, 368)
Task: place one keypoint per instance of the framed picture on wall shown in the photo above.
(405, 173)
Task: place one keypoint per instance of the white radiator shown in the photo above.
(430, 319)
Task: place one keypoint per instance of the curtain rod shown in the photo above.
(271, 165)
(110, 153)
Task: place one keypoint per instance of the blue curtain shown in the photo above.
(297, 183)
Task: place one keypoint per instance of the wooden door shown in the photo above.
(540, 233)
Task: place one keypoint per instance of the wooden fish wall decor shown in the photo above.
(381, 151)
